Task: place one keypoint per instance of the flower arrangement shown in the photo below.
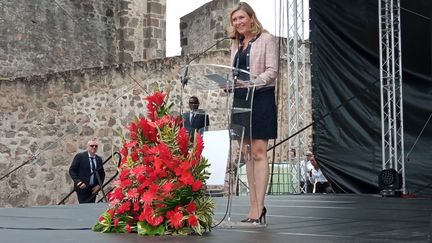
(160, 189)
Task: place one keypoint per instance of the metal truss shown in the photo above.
(391, 87)
(296, 63)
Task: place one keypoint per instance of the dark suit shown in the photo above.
(199, 121)
(80, 172)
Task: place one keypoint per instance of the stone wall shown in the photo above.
(52, 116)
(38, 37)
(204, 26)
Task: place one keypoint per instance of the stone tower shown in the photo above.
(205, 25)
(141, 30)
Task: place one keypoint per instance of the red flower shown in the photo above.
(133, 128)
(125, 207)
(154, 102)
(192, 220)
(124, 174)
(116, 194)
(164, 151)
(126, 183)
(154, 220)
(111, 213)
(131, 144)
(197, 185)
(176, 220)
(124, 152)
(191, 207)
(128, 228)
(148, 216)
(136, 206)
(137, 171)
(200, 145)
(116, 221)
(134, 156)
(133, 194)
(147, 197)
(187, 178)
(157, 99)
(167, 187)
(148, 130)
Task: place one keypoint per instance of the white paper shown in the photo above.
(216, 150)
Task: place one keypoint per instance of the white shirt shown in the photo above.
(318, 176)
(305, 167)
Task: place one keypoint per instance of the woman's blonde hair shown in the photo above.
(257, 27)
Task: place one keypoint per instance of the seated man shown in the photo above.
(305, 172)
(321, 184)
(195, 119)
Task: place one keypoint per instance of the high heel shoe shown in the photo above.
(262, 218)
(249, 220)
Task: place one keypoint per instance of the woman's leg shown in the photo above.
(258, 175)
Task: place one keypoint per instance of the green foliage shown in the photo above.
(143, 228)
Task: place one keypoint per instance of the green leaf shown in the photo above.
(185, 231)
(144, 228)
(98, 227)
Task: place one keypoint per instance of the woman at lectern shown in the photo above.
(254, 50)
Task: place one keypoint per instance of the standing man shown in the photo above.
(196, 118)
(83, 165)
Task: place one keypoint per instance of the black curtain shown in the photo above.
(346, 93)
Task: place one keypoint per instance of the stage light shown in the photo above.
(390, 182)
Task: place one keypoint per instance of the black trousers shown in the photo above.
(85, 195)
(309, 186)
(323, 187)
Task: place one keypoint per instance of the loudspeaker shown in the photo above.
(389, 179)
(390, 183)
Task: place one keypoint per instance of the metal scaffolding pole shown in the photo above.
(391, 87)
(296, 59)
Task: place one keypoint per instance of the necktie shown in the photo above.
(92, 169)
(192, 115)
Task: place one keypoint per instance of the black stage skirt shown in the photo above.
(264, 112)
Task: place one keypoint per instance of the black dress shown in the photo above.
(263, 122)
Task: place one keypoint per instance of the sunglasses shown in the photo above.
(93, 146)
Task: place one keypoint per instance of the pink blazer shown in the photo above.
(263, 61)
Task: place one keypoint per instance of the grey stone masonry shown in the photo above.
(206, 25)
(155, 29)
(39, 37)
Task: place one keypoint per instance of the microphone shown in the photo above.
(184, 79)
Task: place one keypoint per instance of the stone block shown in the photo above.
(154, 8)
(43, 200)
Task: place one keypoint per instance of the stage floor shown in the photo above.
(291, 218)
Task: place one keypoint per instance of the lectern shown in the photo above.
(226, 95)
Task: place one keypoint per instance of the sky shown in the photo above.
(265, 10)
